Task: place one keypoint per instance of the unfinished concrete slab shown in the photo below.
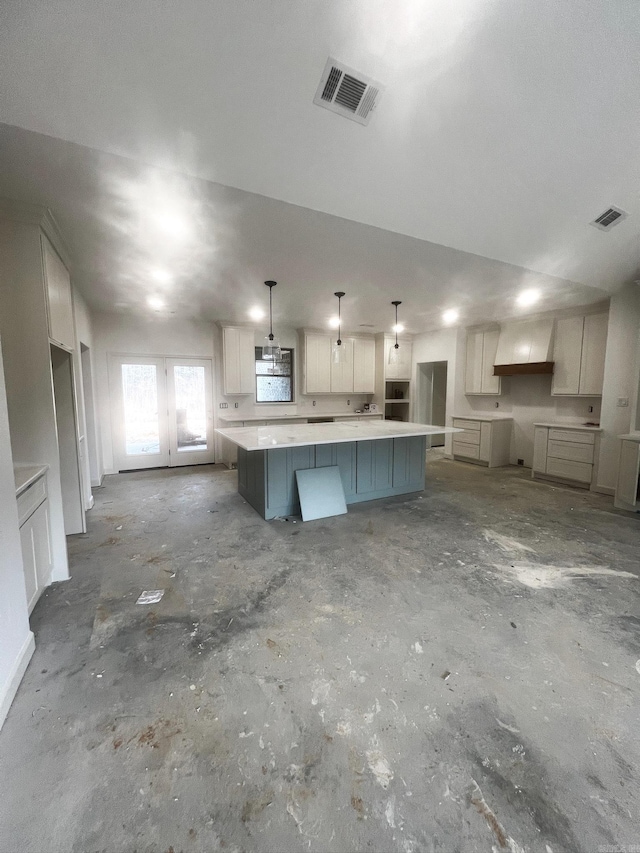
(451, 670)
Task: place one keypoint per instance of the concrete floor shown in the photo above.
(450, 671)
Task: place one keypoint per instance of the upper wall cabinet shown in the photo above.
(356, 374)
(238, 359)
(58, 292)
(578, 353)
(481, 354)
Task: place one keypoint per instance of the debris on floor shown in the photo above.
(150, 596)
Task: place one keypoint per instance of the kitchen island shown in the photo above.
(376, 459)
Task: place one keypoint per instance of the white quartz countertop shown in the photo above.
(299, 435)
(25, 475)
(571, 426)
(297, 416)
(483, 417)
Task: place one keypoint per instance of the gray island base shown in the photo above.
(375, 461)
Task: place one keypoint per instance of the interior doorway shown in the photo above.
(64, 394)
(431, 403)
(162, 411)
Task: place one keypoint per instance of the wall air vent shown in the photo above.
(609, 218)
(347, 92)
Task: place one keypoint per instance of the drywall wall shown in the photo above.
(27, 368)
(16, 640)
(444, 345)
(90, 444)
(158, 335)
(621, 378)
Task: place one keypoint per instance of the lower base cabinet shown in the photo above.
(628, 484)
(565, 454)
(33, 512)
(369, 470)
(484, 441)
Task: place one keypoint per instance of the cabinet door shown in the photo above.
(567, 351)
(485, 442)
(627, 486)
(540, 438)
(239, 361)
(317, 360)
(364, 365)
(342, 373)
(58, 290)
(473, 372)
(490, 384)
(29, 564)
(42, 545)
(594, 342)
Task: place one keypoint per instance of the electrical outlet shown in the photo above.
(224, 405)
(497, 405)
(235, 405)
(314, 402)
(590, 409)
(623, 401)
(520, 461)
(348, 402)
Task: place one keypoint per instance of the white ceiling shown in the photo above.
(505, 128)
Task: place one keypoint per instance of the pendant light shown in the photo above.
(339, 355)
(394, 351)
(271, 350)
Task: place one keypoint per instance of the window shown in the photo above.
(274, 382)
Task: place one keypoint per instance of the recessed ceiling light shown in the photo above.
(161, 276)
(450, 316)
(155, 302)
(397, 328)
(528, 297)
(256, 313)
(171, 223)
(334, 322)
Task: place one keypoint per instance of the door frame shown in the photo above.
(167, 432)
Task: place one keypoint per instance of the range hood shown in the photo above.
(524, 349)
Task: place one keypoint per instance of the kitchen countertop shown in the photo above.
(298, 416)
(25, 475)
(483, 417)
(571, 426)
(631, 436)
(299, 435)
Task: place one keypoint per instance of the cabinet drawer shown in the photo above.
(571, 450)
(471, 451)
(463, 424)
(577, 436)
(468, 437)
(31, 499)
(579, 471)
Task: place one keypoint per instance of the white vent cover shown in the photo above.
(612, 216)
(347, 92)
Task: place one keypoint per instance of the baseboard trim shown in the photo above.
(603, 490)
(8, 692)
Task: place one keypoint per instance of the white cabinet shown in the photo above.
(628, 484)
(481, 354)
(578, 353)
(58, 293)
(238, 359)
(33, 514)
(486, 441)
(356, 374)
(364, 365)
(393, 380)
(567, 454)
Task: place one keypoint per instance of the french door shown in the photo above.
(162, 411)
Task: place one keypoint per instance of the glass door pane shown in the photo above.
(189, 402)
(190, 408)
(140, 404)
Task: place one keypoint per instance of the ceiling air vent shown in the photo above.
(609, 218)
(347, 92)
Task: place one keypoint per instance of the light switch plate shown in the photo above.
(623, 401)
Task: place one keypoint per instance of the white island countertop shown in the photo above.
(299, 435)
